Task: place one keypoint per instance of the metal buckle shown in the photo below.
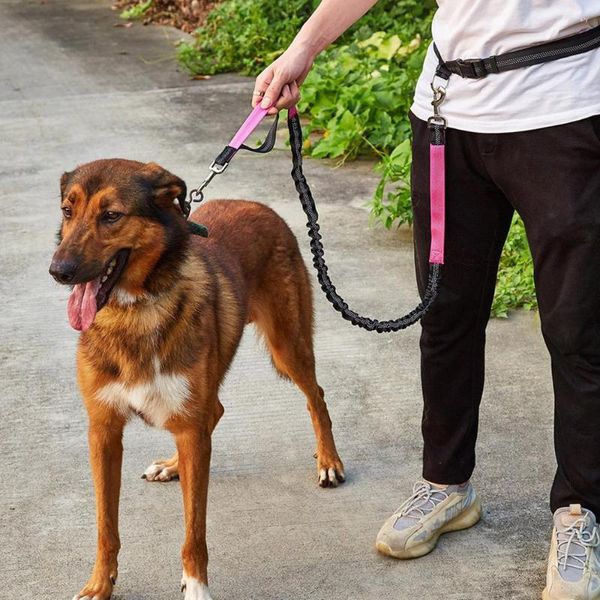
(218, 169)
(197, 194)
(472, 68)
(437, 120)
(215, 169)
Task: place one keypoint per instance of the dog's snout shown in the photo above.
(63, 270)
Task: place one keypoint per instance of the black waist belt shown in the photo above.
(477, 68)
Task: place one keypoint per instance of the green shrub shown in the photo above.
(358, 95)
(244, 35)
(515, 287)
(247, 35)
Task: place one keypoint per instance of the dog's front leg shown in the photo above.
(194, 447)
(106, 451)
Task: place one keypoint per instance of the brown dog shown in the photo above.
(161, 314)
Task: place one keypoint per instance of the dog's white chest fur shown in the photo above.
(157, 399)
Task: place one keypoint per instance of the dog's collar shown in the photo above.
(197, 229)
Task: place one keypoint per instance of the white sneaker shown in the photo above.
(574, 560)
(414, 529)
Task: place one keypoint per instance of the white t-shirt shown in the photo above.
(553, 93)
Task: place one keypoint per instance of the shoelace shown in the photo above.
(572, 537)
(423, 493)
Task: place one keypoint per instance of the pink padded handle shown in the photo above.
(248, 126)
(437, 191)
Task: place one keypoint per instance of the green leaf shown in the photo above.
(389, 47)
(137, 11)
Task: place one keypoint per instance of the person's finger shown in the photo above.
(273, 91)
(261, 85)
(285, 99)
(257, 96)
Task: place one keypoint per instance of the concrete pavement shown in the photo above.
(74, 88)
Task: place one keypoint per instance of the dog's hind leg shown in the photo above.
(163, 470)
(285, 318)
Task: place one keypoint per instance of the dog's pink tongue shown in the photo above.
(81, 307)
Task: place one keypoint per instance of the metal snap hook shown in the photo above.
(196, 195)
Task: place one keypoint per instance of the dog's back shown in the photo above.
(252, 242)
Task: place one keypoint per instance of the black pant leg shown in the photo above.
(478, 217)
(553, 177)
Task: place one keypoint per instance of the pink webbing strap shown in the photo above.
(248, 126)
(437, 191)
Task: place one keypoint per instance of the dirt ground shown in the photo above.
(186, 15)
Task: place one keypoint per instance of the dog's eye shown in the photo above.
(111, 216)
(67, 212)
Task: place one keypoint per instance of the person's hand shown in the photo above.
(278, 85)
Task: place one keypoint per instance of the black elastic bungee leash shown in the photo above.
(318, 252)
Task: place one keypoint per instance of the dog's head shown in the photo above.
(119, 219)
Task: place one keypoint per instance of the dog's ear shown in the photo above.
(165, 187)
(64, 182)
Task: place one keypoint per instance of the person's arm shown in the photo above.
(278, 84)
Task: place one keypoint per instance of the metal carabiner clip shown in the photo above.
(439, 95)
(214, 169)
(197, 194)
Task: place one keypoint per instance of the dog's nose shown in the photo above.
(63, 270)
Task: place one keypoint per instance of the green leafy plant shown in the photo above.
(244, 35)
(515, 287)
(393, 206)
(247, 35)
(137, 11)
(358, 95)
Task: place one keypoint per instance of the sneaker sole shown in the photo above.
(464, 520)
(546, 595)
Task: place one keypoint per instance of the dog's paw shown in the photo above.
(162, 470)
(330, 471)
(97, 589)
(194, 589)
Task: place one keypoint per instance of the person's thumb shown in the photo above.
(273, 92)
